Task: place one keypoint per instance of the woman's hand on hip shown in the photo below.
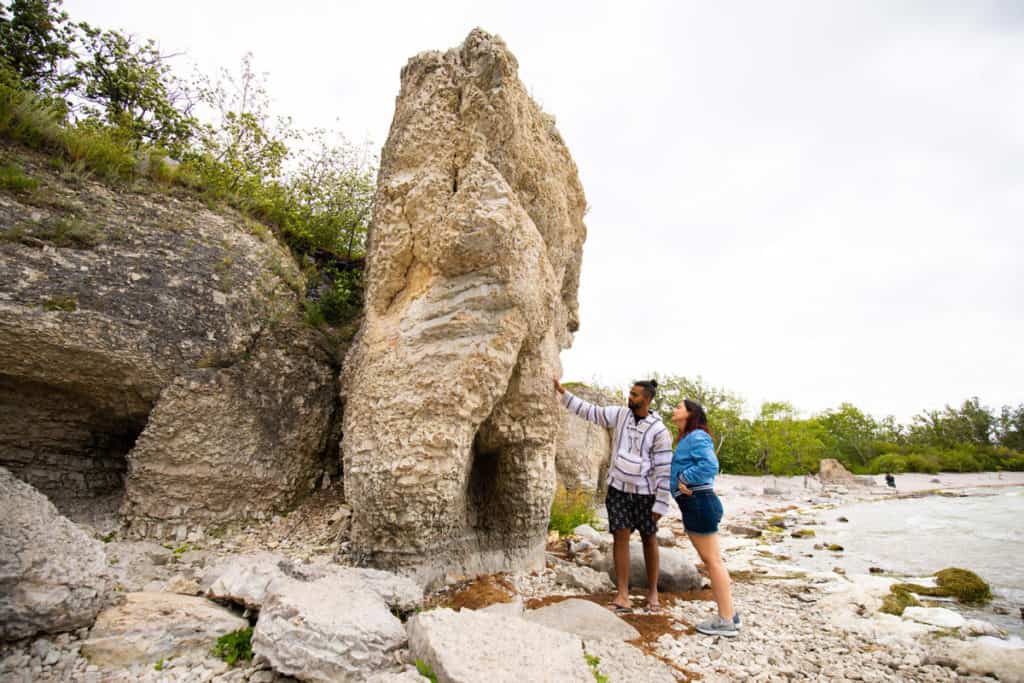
(684, 489)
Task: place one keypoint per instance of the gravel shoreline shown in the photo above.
(797, 624)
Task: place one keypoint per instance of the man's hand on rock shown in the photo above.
(558, 386)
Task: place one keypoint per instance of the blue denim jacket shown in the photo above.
(694, 460)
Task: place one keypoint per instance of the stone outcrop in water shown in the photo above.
(474, 256)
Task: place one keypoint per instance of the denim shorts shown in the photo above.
(702, 512)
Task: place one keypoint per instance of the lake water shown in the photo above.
(983, 532)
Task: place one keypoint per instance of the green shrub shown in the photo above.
(234, 646)
(569, 509)
(108, 152)
(29, 119)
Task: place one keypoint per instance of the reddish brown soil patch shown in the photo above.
(483, 591)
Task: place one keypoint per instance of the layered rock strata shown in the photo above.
(142, 317)
(473, 266)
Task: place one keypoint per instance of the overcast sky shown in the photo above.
(804, 201)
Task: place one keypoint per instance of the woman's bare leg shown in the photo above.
(707, 548)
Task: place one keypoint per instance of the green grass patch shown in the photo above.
(235, 646)
(14, 179)
(426, 671)
(569, 509)
(593, 662)
(66, 304)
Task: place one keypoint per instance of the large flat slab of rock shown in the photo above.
(245, 579)
(468, 647)
(148, 627)
(583, 618)
(585, 578)
(53, 576)
(327, 629)
(934, 616)
(622, 662)
(677, 572)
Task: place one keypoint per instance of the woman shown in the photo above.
(694, 467)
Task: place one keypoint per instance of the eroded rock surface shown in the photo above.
(113, 301)
(461, 646)
(53, 576)
(474, 255)
(584, 448)
(327, 629)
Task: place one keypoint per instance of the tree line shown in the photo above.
(108, 103)
(776, 440)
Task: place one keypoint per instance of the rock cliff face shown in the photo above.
(114, 302)
(473, 265)
(584, 449)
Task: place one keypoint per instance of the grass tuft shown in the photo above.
(234, 646)
(569, 509)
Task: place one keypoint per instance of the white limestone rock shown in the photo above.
(53, 576)
(583, 618)
(328, 629)
(934, 616)
(584, 578)
(148, 627)
(469, 646)
(622, 662)
(473, 263)
(677, 571)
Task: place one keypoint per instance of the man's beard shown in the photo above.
(632, 405)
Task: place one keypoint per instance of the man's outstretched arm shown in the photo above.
(602, 416)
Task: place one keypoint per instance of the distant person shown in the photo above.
(890, 480)
(694, 467)
(638, 492)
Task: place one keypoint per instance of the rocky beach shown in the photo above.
(798, 624)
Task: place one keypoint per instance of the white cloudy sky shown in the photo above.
(807, 201)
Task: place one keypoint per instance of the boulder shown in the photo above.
(473, 266)
(985, 656)
(584, 578)
(677, 572)
(934, 616)
(589, 533)
(53, 576)
(148, 627)
(468, 646)
(831, 471)
(327, 629)
(583, 449)
(583, 618)
(233, 443)
(245, 580)
(619, 661)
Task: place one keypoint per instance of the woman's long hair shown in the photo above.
(697, 419)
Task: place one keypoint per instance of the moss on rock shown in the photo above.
(964, 585)
(898, 600)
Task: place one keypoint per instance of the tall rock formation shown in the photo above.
(450, 419)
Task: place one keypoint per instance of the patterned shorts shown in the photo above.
(630, 511)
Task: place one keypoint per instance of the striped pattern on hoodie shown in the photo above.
(641, 450)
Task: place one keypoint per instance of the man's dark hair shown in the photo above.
(650, 386)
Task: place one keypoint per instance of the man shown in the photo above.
(638, 493)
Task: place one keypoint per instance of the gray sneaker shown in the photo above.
(719, 627)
